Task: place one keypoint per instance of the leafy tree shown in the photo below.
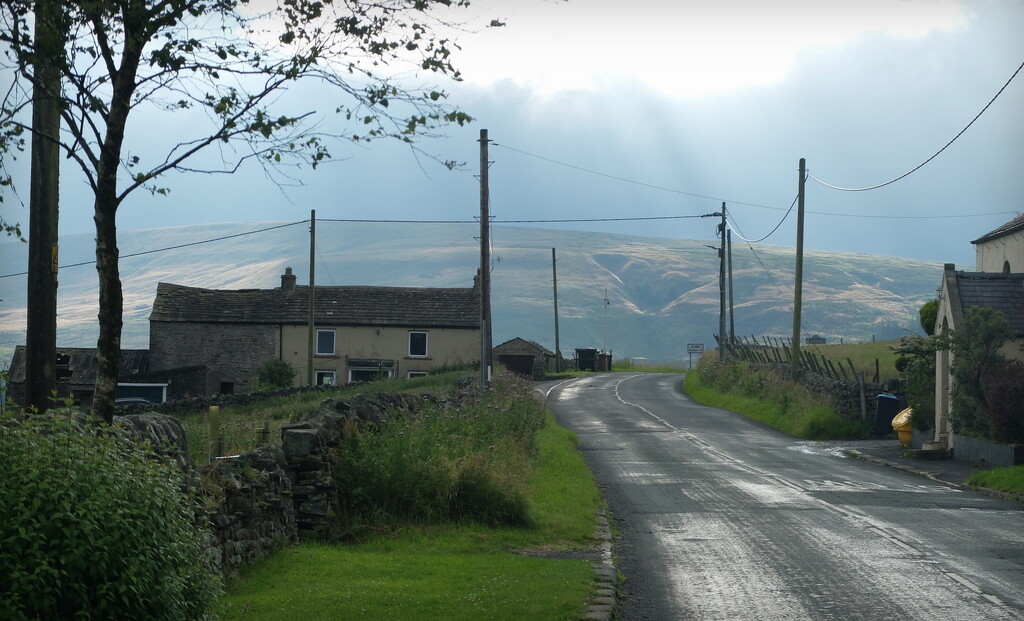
(975, 345)
(916, 365)
(275, 373)
(225, 67)
(928, 313)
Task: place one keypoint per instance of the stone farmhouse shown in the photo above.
(359, 333)
(998, 284)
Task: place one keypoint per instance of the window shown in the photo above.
(325, 342)
(417, 374)
(369, 374)
(326, 378)
(417, 344)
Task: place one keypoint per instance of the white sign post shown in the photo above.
(694, 348)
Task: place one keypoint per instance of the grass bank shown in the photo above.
(1010, 480)
(446, 571)
(769, 398)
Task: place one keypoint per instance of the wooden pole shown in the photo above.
(554, 286)
(44, 182)
(312, 297)
(732, 312)
(799, 275)
(485, 264)
(723, 341)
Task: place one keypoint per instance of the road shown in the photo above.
(720, 517)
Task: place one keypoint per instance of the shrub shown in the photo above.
(467, 462)
(1004, 393)
(975, 345)
(928, 314)
(95, 526)
(274, 374)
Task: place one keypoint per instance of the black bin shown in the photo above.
(886, 408)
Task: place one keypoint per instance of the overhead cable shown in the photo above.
(936, 154)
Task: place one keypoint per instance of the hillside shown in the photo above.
(663, 293)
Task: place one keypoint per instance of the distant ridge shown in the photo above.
(663, 293)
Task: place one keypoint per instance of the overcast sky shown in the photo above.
(648, 108)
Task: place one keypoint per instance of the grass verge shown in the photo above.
(1010, 480)
(770, 399)
(446, 571)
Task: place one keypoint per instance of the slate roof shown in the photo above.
(81, 362)
(1003, 292)
(522, 344)
(1017, 224)
(335, 306)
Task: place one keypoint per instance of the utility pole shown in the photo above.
(41, 326)
(312, 297)
(485, 265)
(604, 348)
(554, 286)
(721, 290)
(799, 275)
(732, 312)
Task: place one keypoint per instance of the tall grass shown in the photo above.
(462, 463)
(766, 396)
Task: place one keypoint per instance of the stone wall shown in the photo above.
(236, 351)
(842, 394)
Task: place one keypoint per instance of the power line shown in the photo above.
(632, 181)
(155, 250)
(734, 227)
(935, 155)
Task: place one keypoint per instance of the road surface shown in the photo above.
(720, 517)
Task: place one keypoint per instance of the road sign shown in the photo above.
(695, 348)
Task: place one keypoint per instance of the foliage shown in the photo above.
(275, 373)
(92, 524)
(448, 571)
(222, 68)
(1004, 394)
(464, 462)
(766, 396)
(975, 345)
(917, 368)
(929, 313)
(1010, 480)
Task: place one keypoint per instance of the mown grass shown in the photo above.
(767, 397)
(1010, 480)
(463, 571)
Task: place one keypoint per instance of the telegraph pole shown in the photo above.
(721, 290)
(732, 313)
(485, 265)
(554, 286)
(312, 296)
(799, 275)
(41, 325)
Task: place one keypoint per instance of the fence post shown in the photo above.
(214, 432)
(265, 432)
(863, 397)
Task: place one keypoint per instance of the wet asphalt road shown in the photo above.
(720, 517)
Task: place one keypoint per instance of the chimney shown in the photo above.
(288, 280)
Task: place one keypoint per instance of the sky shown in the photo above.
(653, 109)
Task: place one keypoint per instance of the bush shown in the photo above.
(928, 314)
(468, 462)
(95, 526)
(975, 344)
(1004, 392)
(274, 374)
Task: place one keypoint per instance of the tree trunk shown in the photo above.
(41, 326)
(108, 347)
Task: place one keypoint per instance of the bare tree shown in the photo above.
(228, 65)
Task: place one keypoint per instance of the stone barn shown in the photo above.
(525, 357)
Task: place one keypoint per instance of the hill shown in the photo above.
(662, 293)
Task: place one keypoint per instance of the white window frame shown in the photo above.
(321, 377)
(426, 344)
(334, 343)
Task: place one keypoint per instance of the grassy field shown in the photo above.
(863, 356)
(455, 572)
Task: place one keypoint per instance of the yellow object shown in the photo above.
(901, 423)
